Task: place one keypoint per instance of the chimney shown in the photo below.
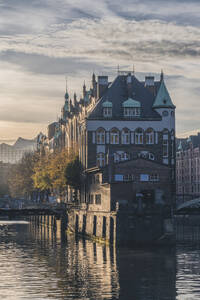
(129, 84)
(149, 83)
(101, 85)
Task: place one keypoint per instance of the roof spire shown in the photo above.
(93, 77)
(66, 91)
(84, 89)
(161, 75)
(118, 69)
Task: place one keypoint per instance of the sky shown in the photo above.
(44, 41)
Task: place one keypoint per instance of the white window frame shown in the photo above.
(165, 148)
(125, 136)
(101, 159)
(124, 156)
(114, 136)
(116, 157)
(154, 177)
(151, 156)
(107, 112)
(132, 111)
(150, 137)
(101, 135)
(139, 136)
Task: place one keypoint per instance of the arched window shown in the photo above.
(120, 156)
(101, 159)
(100, 136)
(124, 156)
(149, 136)
(125, 136)
(114, 136)
(116, 157)
(151, 156)
(139, 136)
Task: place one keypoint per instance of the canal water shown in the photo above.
(36, 263)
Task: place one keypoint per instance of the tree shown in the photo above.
(20, 176)
(41, 173)
(73, 173)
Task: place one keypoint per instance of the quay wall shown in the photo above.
(117, 227)
(121, 227)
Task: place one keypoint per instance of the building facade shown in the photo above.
(188, 168)
(125, 133)
(13, 153)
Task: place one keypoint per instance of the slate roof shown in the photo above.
(163, 98)
(118, 92)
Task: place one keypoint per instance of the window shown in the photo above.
(131, 111)
(100, 136)
(98, 199)
(114, 136)
(165, 148)
(107, 112)
(120, 156)
(124, 156)
(97, 178)
(91, 199)
(119, 177)
(128, 177)
(144, 177)
(151, 156)
(165, 113)
(116, 157)
(150, 136)
(154, 177)
(101, 159)
(172, 145)
(139, 136)
(125, 136)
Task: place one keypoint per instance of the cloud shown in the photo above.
(42, 41)
(41, 64)
(124, 40)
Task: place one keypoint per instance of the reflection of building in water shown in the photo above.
(86, 270)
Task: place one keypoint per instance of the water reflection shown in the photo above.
(38, 263)
(95, 271)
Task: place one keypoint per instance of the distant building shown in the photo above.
(188, 168)
(13, 154)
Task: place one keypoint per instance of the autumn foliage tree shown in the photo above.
(44, 173)
(50, 171)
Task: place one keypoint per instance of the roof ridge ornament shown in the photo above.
(161, 75)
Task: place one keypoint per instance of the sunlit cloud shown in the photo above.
(41, 42)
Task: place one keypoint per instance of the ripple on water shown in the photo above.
(36, 264)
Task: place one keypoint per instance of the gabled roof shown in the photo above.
(163, 98)
(131, 103)
(107, 104)
(118, 93)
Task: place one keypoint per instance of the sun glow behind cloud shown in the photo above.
(68, 38)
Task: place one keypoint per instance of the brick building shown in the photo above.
(188, 168)
(125, 133)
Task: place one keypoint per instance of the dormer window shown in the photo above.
(107, 109)
(131, 108)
